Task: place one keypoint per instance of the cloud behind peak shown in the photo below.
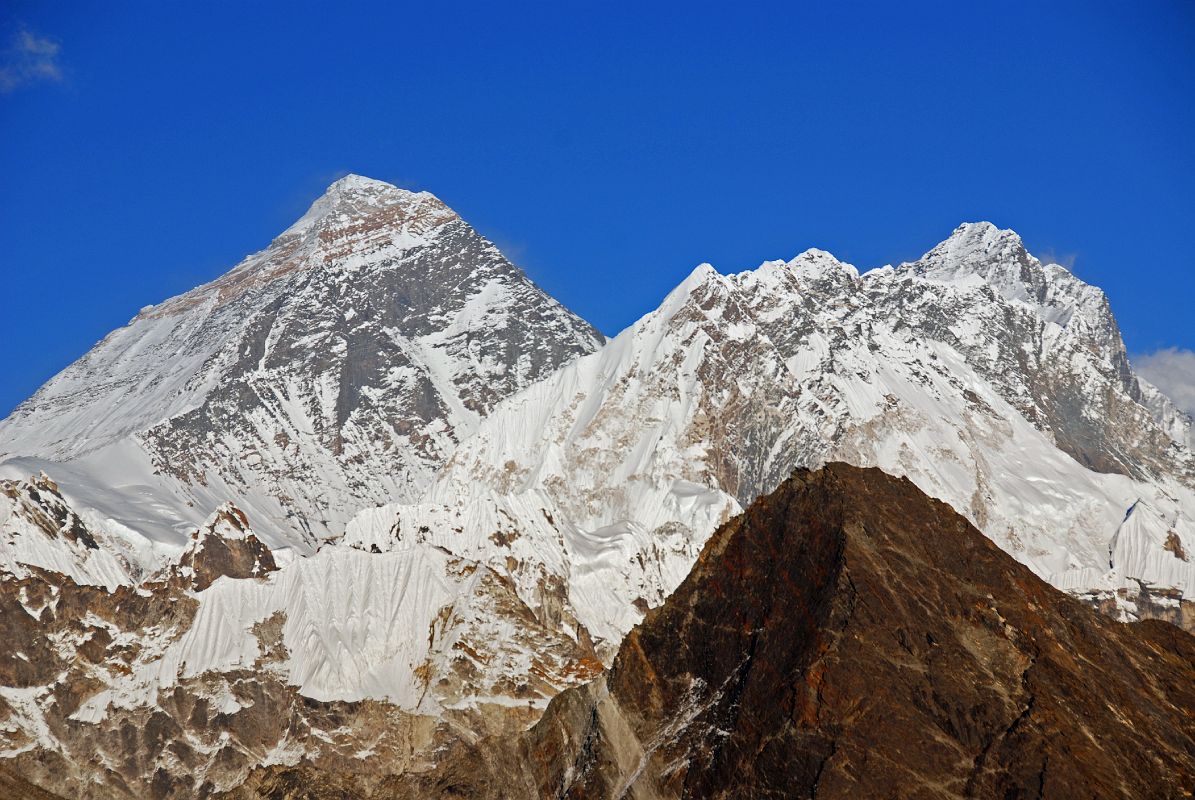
(1171, 369)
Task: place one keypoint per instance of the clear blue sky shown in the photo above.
(145, 148)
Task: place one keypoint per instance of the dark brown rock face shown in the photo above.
(225, 546)
(14, 787)
(850, 637)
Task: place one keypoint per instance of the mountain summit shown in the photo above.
(358, 200)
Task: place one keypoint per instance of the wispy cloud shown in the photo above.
(1048, 256)
(1171, 369)
(29, 59)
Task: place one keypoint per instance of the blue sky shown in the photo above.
(607, 148)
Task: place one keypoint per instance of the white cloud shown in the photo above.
(29, 59)
(1171, 369)
(1048, 256)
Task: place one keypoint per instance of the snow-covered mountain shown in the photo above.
(450, 500)
(334, 370)
(993, 381)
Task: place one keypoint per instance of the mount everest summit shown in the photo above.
(373, 490)
(332, 371)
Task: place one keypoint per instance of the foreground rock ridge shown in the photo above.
(848, 637)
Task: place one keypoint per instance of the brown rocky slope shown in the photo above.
(849, 637)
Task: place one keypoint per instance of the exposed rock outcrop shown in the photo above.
(39, 529)
(224, 546)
